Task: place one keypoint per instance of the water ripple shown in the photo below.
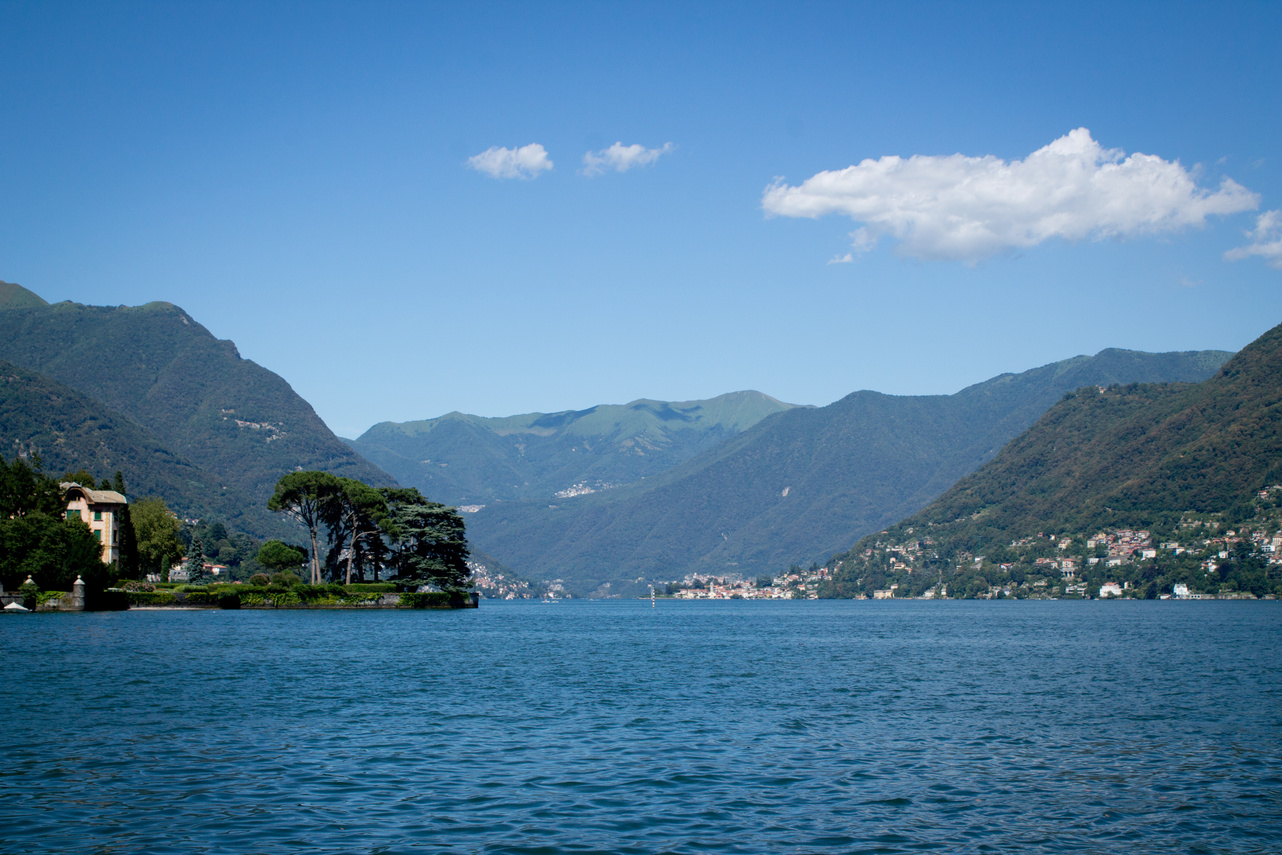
(613, 727)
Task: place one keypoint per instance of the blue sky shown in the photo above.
(312, 181)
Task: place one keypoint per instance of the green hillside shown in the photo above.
(1147, 485)
(70, 432)
(798, 486)
(1139, 455)
(16, 297)
(159, 368)
(463, 459)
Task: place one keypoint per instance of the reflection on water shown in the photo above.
(694, 727)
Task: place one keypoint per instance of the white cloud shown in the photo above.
(621, 158)
(524, 162)
(963, 208)
(848, 258)
(1266, 241)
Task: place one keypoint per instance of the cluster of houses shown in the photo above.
(795, 584)
(1111, 549)
(1122, 546)
(497, 585)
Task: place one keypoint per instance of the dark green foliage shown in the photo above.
(31, 595)
(193, 393)
(219, 596)
(285, 579)
(371, 587)
(52, 551)
(157, 533)
(77, 435)
(196, 572)
(1136, 456)
(355, 515)
(130, 563)
(260, 580)
(235, 550)
(306, 496)
(428, 539)
(427, 600)
(25, 489)
(799, 485)
(35, 538)
(276, 555)
(425, 541)
(299, 596)
(151, 598)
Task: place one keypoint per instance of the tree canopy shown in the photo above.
(422, 542)
(430, 540)
(36, 539)
(354, 514)
(156, 533)
(278, 555)
(305, 496)
(25, 489)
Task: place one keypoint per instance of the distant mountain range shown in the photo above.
(796, 486)
(157, 386)
(468, 460)
(1134, 456)
(605, 499)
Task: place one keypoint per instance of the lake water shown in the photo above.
(736, 727)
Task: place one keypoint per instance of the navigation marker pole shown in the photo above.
(651, 596)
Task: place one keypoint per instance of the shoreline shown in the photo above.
(121, 601)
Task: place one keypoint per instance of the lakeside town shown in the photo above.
(1202, 557)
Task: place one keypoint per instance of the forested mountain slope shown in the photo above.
(1135, 456)
(67, 431)
(158, 367)
(799, 485)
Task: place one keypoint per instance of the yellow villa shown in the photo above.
(99, 509)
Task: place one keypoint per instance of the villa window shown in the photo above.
(97, 516)
(73, 514)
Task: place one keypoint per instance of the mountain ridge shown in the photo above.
(1157, 457)
(801, 484)
(1146, 449)
(463, 458)
(161, 369)
(14, 296)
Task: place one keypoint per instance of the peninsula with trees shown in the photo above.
(382, 548)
